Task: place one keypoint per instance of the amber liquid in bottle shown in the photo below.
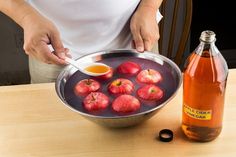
(204, 84)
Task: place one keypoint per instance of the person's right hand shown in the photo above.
(39, 32)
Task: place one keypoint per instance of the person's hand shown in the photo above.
(39, 32)
(144, 28)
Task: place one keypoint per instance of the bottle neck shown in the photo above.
(207, 49)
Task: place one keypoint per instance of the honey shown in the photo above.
(97, 69)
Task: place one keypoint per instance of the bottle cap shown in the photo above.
(208, 36)
(166, 135)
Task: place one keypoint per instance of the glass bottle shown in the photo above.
(204, 83)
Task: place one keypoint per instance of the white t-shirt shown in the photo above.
(88, 26)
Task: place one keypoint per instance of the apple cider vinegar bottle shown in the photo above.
(204, 83)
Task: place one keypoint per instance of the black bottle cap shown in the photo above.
(166, 135)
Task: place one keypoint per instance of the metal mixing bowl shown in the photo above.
(163, 63)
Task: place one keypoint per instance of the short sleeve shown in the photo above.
(158, 16)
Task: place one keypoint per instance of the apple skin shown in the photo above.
(129, 68)
(106, 76)
(150, 92)
(149, 76)
(125, 103)
(86, 86)
(121, 86)
(96, 101)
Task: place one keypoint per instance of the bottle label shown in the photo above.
(197, 114)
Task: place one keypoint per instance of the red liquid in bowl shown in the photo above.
(169, 85)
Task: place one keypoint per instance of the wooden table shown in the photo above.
(34, 123)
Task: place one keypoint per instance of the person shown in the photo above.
(54, 29)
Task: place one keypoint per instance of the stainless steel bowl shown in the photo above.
(163, 63)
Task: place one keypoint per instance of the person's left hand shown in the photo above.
(144, 28)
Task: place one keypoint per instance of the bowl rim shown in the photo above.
(57, 83)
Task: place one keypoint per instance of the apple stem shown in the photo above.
(149, 71)
(119, 83)
(153, 91)
(89, 82)
(93, 98)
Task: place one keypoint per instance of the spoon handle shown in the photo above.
(72, 62)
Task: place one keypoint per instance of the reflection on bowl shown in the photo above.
(172, 80)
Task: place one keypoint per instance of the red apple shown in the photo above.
(150, 92)
(96, 101)
(125, 103)
(86, 86)
(106, 76)
(129, 68)
(121, 86)
(149, 76)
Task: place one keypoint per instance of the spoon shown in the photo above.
(92, 69)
